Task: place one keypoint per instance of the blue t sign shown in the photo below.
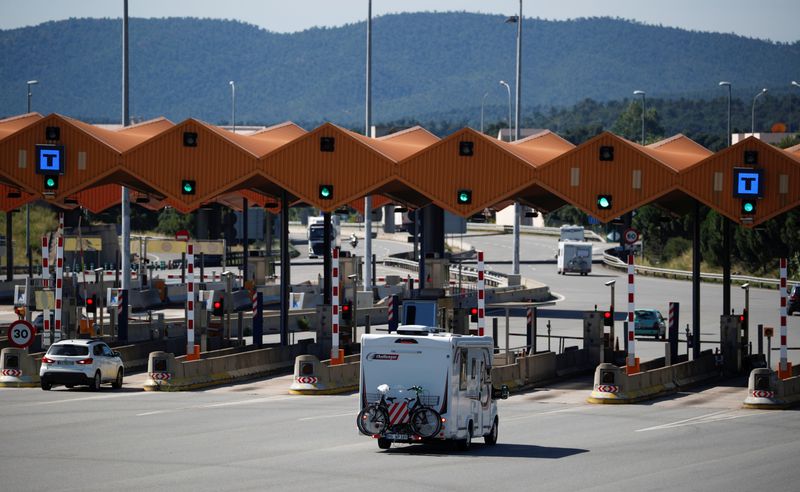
(747, 183)
(50, 159)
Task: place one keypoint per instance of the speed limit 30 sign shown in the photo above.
(21, 334)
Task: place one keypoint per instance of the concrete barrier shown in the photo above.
(315, 377)
(18, 368)
(766, 391)
(169, 373)
(613, 385)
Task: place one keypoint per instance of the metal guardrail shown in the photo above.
(614, 262)
(492, 279)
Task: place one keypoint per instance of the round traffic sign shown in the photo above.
(21, 334)
(182, 235)
(630, 235)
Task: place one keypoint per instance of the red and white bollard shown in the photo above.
(632, 362)
(335, 305)
(785, 367)
(190, 300)
(46, 284)
(481, 296)
(59, 278)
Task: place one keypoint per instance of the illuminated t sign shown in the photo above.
(748, 183)
(50, 159)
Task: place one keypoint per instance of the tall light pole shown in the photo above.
(753, 112)
(641, 93)
(728, 85)
(122, 330)
(483, 103)
(30, 83)
(367, 128)
(503, 82)
(27, 205)
(233, 104)
(518, 92)
(726, 239)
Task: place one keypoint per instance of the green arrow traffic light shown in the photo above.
(50, 183)
(325, 192)
(187, 187)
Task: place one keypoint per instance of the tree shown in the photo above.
(629, 124)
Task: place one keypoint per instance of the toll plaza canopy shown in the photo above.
(70, 163)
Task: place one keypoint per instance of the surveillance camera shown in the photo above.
(746, 285)
(610, 283)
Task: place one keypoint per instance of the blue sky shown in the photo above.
(767, 19)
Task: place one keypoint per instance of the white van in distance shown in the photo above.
(419, 384)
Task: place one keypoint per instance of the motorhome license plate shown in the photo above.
(397, 437)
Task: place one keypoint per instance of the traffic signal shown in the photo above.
(466, 149)
(218, 307)
(473, 314)
(347, 311)
(91, 304)
(325, 192)
(606, 153)
(608, 317)
(748, 206)
(604, 202)
(188, 187)
(50, 183)
(464, 197)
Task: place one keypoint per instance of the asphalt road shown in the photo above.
(256, 437)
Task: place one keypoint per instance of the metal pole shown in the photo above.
(126, 206)
(28, 252)
(9, 249)
(285, 268)
(245, 240)
(508, 89)
(483, 103)
(367, 127)
(726, 265)
(641, 93)
(696, 282)
(753, 113)
(518, 94)
(233, 105)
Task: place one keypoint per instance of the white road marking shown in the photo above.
(98, 397)
(217, 405)
(327, 416)
(705, 419)
(539, 414)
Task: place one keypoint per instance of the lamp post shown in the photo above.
(641, 93)
(728, 85)
(27, 205)
(517, 94)
(30, 83)
(753, 112)
(503, 82)
(483, 103)
(233, 104)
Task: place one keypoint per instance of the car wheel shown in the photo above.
(45, 385)
(384, 443)
(465, 444)
(96, 381)
(117, 384)
(491, 437)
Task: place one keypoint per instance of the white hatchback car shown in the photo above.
(81, 362)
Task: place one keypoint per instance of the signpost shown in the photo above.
(21, 333)
(182, 235)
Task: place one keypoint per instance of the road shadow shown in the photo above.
(499, 450)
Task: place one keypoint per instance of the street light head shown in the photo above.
(33, 82)
(610, 283)
(639, 93)
(512, 20)
(231, 82)
(763, 90)
(725, 83)
(795, 83)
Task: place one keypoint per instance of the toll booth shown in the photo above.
(595, 341)
(733, 342)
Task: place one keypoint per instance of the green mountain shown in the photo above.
(426, 66)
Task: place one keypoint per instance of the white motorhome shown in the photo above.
(571, 233)
(574, 257)
(452, 374)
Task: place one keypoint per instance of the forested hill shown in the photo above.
(426, 66)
